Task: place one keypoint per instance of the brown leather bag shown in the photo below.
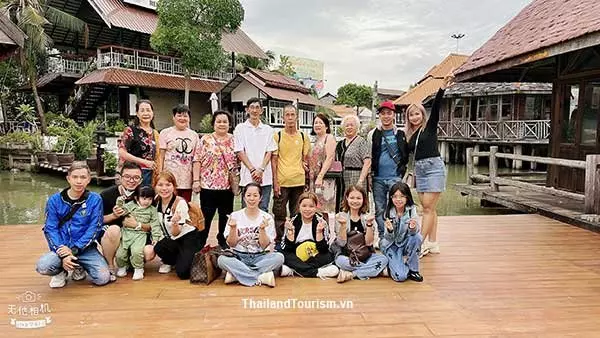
(204, 266)
(356, 247)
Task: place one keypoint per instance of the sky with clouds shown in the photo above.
(392, 41)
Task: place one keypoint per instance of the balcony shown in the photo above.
(533, 131)
(58, 64)
(127, 58)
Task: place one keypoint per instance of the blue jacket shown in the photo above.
(78, 232)
(401, 232)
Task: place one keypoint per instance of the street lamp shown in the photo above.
(457, 37)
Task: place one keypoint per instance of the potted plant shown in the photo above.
(110, 164)
(63, 149)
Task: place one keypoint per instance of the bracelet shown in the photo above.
(252, 170)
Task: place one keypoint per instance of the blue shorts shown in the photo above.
(430, 174)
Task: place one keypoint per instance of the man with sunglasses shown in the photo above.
(113, 199)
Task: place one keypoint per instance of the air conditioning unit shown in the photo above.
(150, 4)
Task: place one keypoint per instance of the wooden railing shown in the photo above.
(17, 126)
(538, 130)
(591, 165)
(121, 57)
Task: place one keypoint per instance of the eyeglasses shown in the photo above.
(132, 178)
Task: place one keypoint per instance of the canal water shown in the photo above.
(24, 195)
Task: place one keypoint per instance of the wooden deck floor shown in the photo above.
(560, 208)
(510, 275)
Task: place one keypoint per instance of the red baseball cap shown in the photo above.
(387, 104)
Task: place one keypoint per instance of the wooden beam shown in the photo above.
(546, 160)
(469, 165)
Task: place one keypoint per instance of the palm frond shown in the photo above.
(68, 21)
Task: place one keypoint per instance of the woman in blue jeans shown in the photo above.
(430, 171)
(250, 233)
(355, 217)
(401, 237)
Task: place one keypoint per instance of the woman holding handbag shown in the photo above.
(429, 168)
(354, 220)
(322, 169)
(218, 173)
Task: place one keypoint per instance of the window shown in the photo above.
(458, 109)
(482, 108)
(493, 106)
(507, 107)
(591, 109)
(276, 112)
(569, 113)
(533, 107)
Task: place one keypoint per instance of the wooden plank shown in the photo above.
(486, 282)
(592, 185)
(546, 160)
(470, 168)
(493, 167)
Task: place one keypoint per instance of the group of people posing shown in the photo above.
(320, 224)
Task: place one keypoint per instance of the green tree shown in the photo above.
(31, 16)
(192, 30)
(285, 66)
(353, 94)
(244, 61)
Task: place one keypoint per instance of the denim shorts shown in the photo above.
(430, 175)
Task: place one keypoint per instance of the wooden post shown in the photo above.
(469, 165)
(476, 158)
(493, 167)
(518, 164)
(592, 185)
(10, 161)
(533, 165)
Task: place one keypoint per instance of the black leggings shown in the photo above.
(180, 252)
(311, 266)
(211, 201)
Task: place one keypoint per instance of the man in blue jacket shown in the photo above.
(73, 222)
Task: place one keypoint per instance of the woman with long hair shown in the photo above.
(139, 142)
(217, 159)
(182, 240)
(355, 217)
(401, 235)
(430, 171)
(250, 233)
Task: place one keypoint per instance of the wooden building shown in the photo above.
(276, 91)
(118, 66)
(11, 38)
(507, 114)
(554, 41)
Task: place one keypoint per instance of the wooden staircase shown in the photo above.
(87, 100)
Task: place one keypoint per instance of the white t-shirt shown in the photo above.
(165, 219)
(181, 148)
(248, 231)
(255, 142)
(305, 233)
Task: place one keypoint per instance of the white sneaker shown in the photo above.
(385, 272)
(78, 274)
(424, 248)
(122, 272)
(267, 278)
(164, 268)
(58, 281)
(113, 276)
(138, 274)
(434, 247)
(328, 271)
(229, 278)
(344, 276)
(286, 271)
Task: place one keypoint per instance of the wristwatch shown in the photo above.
(74, 251)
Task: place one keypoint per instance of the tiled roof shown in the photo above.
(541, 24)
(497, 88)
(279, 93)
(118, 14)
(390, 92)
(10, 34)
(278, 81)
(114, 76)
(452, 62)
(432, 81)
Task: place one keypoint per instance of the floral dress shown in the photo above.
(316, 159)
(215, 161)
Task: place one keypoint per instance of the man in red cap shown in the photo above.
(389, 157)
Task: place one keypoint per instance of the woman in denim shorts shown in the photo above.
(430, 171)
